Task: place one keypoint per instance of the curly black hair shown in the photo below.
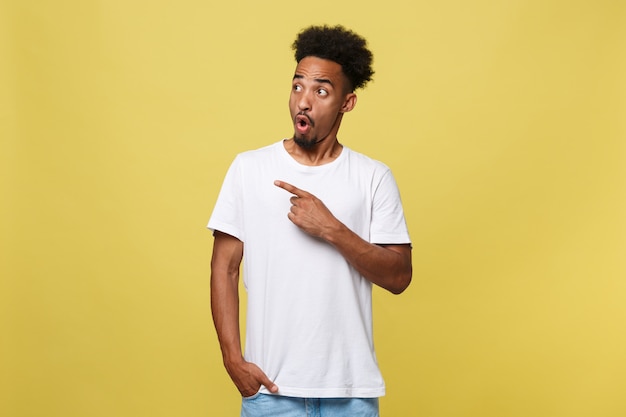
(340, 45)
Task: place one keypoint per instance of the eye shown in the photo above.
(297, 87)
(322, 92)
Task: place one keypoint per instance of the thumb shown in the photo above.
(267, 383)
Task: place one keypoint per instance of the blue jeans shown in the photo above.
(264, 405)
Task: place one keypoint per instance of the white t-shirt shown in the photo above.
(309, 317)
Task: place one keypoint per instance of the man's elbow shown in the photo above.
(401, 282)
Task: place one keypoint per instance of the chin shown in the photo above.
(305, 143)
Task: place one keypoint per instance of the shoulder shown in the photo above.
(260, 152)
(365, 162)
(255, 157)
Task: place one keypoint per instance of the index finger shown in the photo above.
(290, 188)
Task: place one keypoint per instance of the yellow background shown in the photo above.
(504, 123)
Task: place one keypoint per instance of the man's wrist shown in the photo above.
(232, 361)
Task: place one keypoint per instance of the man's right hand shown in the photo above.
(248, 378)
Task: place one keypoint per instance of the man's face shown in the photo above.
(319, 96)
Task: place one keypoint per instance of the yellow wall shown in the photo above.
(504, 122)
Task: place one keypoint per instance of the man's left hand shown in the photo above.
(308, 212)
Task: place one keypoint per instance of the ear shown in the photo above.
(348, 103)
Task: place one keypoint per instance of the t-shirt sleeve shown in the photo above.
(388, 223)
(226, 216)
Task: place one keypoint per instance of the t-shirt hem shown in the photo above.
(224, 228)
(382, 239)
(328, 392)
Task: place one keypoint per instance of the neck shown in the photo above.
(324, 151)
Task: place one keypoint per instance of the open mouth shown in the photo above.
(303, 123)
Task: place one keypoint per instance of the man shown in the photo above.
(316, 224)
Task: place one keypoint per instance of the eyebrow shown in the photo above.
(319, 80)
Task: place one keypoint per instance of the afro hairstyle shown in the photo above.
(339, 45)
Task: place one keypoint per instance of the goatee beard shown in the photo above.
(304, 143)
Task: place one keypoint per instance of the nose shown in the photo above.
(304, 102)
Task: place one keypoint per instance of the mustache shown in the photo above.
(304, 114)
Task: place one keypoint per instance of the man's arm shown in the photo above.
(388, 266)
(227, 256)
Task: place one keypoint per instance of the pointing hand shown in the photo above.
(308, 212)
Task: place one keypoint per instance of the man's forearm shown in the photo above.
(388, 266)
(225, 310)
(227, 255)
